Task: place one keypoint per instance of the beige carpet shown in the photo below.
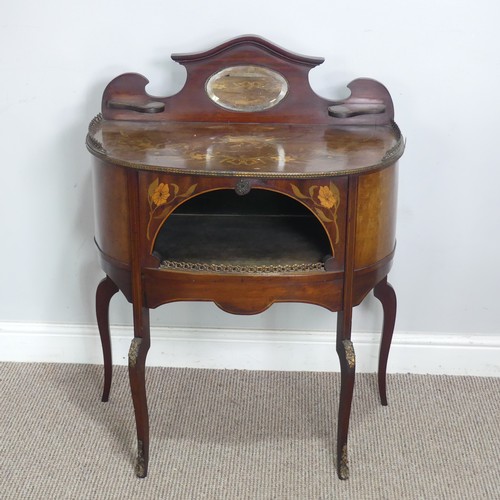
(245, 435)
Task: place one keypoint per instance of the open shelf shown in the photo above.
(262, 228)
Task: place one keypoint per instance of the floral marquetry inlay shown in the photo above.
(161, 196)
(245, 189)
(247, 151)
(325, 201)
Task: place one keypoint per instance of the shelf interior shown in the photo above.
(262, 228)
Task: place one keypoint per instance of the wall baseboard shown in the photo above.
(415, 352)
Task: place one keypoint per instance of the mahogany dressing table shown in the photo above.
(245, 189)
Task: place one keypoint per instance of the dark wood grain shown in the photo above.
(196, 201)
(243, 150)
(104, 293)
(345, 349)
(385, 293)
(302, 104)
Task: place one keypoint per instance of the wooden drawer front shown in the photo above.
(239, 294)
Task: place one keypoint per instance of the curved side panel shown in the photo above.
(119, 273)
(366, 279)
(111, 210)
(376, 216)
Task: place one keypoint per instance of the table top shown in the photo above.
(245, 149)
(246, 110)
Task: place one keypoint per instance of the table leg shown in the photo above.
(387, 296)
(137, 368)
(105, 291)
(347, 359)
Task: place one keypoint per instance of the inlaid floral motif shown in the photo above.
(325, 202)
(326, 197)
(161, 197)
(160, 194)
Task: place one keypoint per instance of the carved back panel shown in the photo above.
(247, 80)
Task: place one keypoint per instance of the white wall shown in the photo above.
(439, 60)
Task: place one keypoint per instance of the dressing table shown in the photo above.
(245, 189)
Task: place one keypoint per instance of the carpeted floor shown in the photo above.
(245, 435)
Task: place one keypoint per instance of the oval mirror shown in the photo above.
(246, 88)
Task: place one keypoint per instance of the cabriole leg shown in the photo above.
(105, 291)
(137, 368)
(347, 359)
(387, 296)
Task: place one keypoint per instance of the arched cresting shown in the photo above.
(259, 232)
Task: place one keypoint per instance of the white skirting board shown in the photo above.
(411, 352)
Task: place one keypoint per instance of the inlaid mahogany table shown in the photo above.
(245, 189)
